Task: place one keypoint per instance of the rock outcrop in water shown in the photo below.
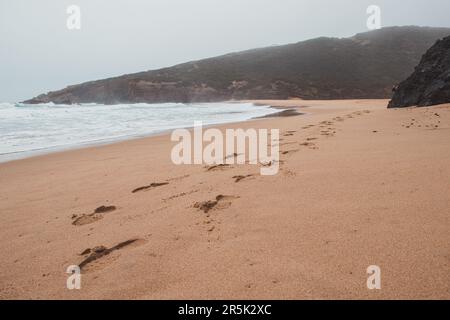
(367, 65)
(430, 82)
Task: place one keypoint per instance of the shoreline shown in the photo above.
(21, 155)
(359, 185)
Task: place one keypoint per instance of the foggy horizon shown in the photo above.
(41, 54)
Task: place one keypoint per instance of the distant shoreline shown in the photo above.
(19, 155)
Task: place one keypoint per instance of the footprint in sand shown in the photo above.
(289, 133)
(234, 155)
(240, 178)
(310, 145)
(218, 167)
(221, 202)
(326, 133)
(289, 151)
(150, 186)
(286, 143)
(289, 173)
(179, 178)
(92, 217)
(268, 164)
(93, 256)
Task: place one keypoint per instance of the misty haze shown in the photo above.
(225, 151)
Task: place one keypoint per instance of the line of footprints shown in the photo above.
(93, 257)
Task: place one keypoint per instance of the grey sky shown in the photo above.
(38, 53)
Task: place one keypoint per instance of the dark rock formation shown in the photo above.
(430, 82)
(367, 65)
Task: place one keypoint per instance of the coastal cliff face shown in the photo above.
(367, 65)
(430, 82)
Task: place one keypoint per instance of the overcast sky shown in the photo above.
(38, 53)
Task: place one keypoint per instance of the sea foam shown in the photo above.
(27, 130)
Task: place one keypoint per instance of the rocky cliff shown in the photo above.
(366, 65)
(430, 82)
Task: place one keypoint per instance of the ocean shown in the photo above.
(27, 130)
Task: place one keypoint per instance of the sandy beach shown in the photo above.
(359, 185)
